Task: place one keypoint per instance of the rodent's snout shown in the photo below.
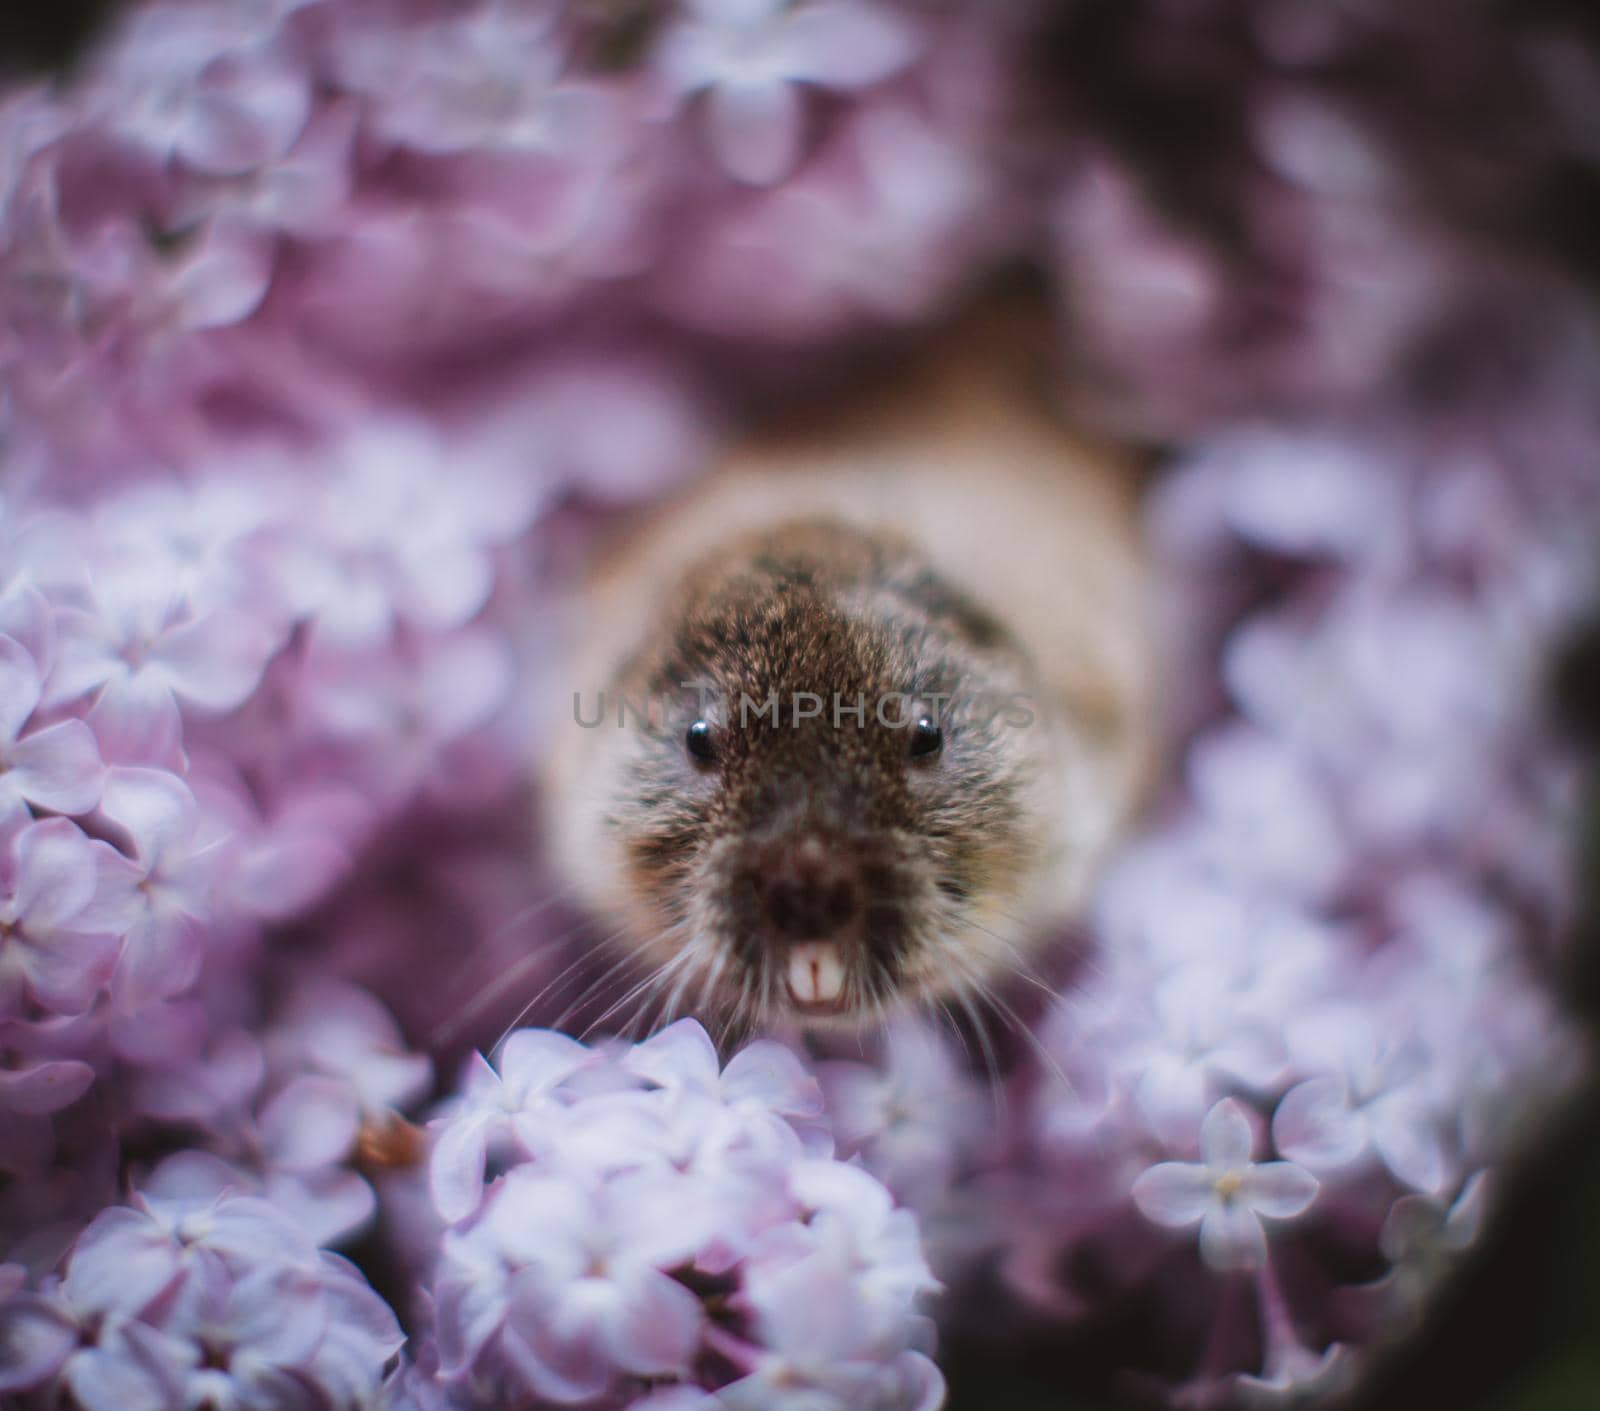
(803, 896)
(811, 900)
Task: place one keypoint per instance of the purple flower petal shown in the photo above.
(56, 873)
(455, 1168)
(771, 1075)
(1279, 1189)
(332, 1205)
(58, 768)
(1226, 1138)
(756, 129)
(1315, 1126)
(105, 1381)
(1174, 1193)
(313, 1122)
(121, 1263)
(652, 1325)
(846, 45)
(223, 279)
(277, 1312)
(681, 1056)
(136, 721)
(240, 119)
(217, 660)
(1407, 1140)
(44, 1087)
(66, 972)
(20, 688)
(1231, 1237)
(154, 806)
(161, 957)
(533, 1061)
(35, 1339)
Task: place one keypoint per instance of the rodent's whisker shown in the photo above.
(654, 979)
(694, 954)
(997, 1089)
(497, 985)
(618, 972)
(1019, 1026)
(1017, 964)
(941, 1007)
(573, 970)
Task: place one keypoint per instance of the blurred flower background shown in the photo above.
(331, 331)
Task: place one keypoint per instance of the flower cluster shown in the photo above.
(1321, 1015)
(620, 1217)
(1245, 223)
(195, 1294)
(270, 214)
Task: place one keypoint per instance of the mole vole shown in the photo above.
(897, 674)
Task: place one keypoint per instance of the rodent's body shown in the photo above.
(947, 537)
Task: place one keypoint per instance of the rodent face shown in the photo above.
(792, 859)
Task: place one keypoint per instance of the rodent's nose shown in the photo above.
(809, 892)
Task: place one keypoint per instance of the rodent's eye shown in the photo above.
(699, 741)
(926, 737)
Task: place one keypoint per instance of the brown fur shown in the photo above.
(947, 539)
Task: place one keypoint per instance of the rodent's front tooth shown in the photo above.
(816, 973)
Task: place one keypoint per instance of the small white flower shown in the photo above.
(1225, 1193)
(748, 55)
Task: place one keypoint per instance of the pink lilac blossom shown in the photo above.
(196, 1293)
(657, 1215)
(280, 211)
(1225, 1193)
(1329, 1020)
(750, 56)
(1246, 225)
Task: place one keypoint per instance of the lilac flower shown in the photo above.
(36, 1334)
(1366, 1097)
(637, 1176)
(140, 649)
(162, 888)
(533, 1064)
(879, 225)
(197, 1294)
(748, 56)
(343, 1033)
(230, 1342)
(216, 1095)
(1266, 813)
(51, 949)
(913, 1118)
(1291, 1372)
(1203, 1040)
(392, 546)
(587, 1292)
(763, 1075)
(1226, 1193)
(203, 536)
(1423, 1240)
(132, 1256)
(496, 76)
(303, 192)
(56, 767)
(834, 1337)
(202, 85)
(290, 1132)
(34, 1083)
(218, 280)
